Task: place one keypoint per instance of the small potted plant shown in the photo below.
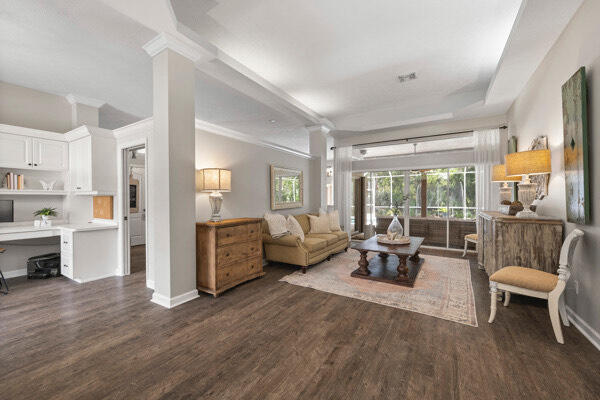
(45, 213)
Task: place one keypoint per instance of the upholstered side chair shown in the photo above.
(540, 284)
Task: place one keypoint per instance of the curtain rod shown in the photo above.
(415, 137)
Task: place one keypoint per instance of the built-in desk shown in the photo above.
(88, 250)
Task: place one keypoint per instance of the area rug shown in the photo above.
(443, 287)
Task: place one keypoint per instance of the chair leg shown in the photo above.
(506, 298)
(3, 284)
(554, 317)
(465, 250)
(494, 300)
(563, 310)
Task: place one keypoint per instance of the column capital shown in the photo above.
(179, 44)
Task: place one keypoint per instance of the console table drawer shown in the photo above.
(254, 266)
(232, 234)
(231, 273)
(253, 249)
(228, 254)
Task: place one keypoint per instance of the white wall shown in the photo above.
(538, 111)
(34, 109)
(250, 169)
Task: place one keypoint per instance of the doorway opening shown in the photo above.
(134, 209)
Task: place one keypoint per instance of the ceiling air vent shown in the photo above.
(407, 77)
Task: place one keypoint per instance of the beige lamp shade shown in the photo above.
(213, 179)
(499, 174)
(532, 162)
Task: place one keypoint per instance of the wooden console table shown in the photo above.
(228, 253)
(505, 240)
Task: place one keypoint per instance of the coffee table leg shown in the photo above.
(363, 263)
(415, 257)
(402, 269)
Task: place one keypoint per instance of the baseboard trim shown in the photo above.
(15, 273)
(150, 284)
(93, 279)
(172, 302)
(583, 327)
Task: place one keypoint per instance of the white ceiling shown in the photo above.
(342, 58)
(298, 63)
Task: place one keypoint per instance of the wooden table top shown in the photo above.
(371, 244)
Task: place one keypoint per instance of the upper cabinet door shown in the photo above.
(80, 164)
(15, 151)
(50, 155)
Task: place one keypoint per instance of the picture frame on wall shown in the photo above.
(134, 195)
(575, 130)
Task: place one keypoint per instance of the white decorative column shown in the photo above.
(318, 149)
(171, 170)
(84, 110)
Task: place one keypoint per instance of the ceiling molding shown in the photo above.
(219, 130)
(179, 44)
(323, 129)
(88, 101)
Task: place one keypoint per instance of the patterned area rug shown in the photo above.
(443, 287)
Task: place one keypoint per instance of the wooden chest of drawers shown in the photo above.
(228, 253)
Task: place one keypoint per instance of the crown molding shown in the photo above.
(179, 44)
(88, 101)
(323, 129)
(219, 130)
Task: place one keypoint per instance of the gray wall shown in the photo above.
(538, 111)
(30, 108)
(249, 164)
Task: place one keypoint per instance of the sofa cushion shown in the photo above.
(526, 278)
(288, 240)
(329, 238)
(334, 220)
(319, 224)
(294, 227)
(341, 235)
(277, 224)
(303, 221)
(314, 244)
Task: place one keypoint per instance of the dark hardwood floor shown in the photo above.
(137, 259)
(269, 339)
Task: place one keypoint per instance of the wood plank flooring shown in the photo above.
(271, 340)
(137, 258)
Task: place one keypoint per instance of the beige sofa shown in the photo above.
(315, 248)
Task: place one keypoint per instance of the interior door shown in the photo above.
(137, 211)
(50, 155)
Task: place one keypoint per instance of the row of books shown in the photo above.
(14, 181)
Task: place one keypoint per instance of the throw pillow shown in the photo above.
(334, 220)
(319, 224)
(277, 225)
(294, 227)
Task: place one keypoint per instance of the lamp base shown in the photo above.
(216, 200)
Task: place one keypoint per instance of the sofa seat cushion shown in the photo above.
(526, 278)
(329, 238)
(314, 244)
(341, 235)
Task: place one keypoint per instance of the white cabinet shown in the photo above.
(92, 164)
(24, 152)
(88, 255)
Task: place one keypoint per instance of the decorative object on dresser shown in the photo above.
(499, 175)
(524, 164)
(214, 180)
(46, 213)
(543, 285)
(506, 240)
(228, 252)
(575, 130)
(287, 188)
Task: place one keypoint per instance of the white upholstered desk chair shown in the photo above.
(540, 284)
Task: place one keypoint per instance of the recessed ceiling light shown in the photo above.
(407, 77)
(272, 121)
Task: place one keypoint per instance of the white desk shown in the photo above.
(88, 250)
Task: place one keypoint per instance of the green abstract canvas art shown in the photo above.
(574, 106)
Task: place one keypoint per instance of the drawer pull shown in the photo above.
(228, 235)
(251, 231)
(226, 254)
(251, 248)
(65, 242)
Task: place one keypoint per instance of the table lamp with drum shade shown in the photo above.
(524, 164)
(214, 180)
(499, 175)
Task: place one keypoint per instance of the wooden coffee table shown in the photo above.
(397, 264)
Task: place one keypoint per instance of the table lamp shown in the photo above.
(214, 180)
(524, 164)
(499, 175)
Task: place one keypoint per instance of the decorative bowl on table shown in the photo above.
(384, 239)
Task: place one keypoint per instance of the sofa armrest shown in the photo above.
(287, 240)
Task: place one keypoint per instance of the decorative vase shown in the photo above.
(395, 229)
(44, 220)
